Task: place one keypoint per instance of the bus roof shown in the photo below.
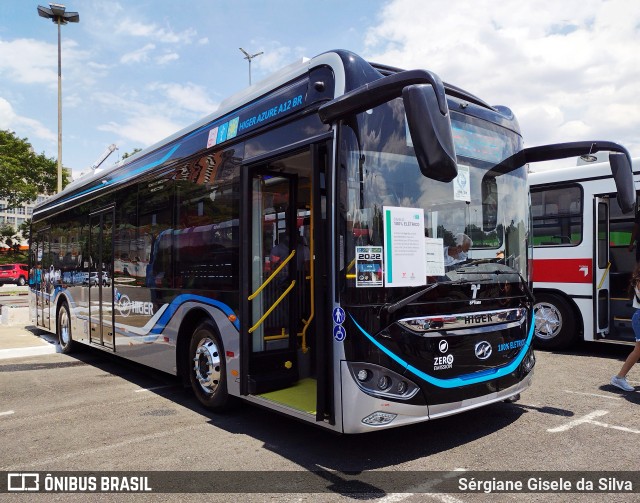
(349, 72)
(582, 172)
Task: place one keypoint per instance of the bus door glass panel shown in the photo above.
(100, 279)
(42, 259)
(271, 307)
(601, 266)
(271, 236)
(622, 262)
(280, 312)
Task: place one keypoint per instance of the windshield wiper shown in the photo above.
(392, 308)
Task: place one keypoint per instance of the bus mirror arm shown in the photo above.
(527, 289)
(427, 112)
(380, 91)
(619, 160)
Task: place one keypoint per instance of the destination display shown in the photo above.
(262, 112)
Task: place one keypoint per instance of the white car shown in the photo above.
(93, 279)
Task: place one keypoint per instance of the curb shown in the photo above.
(32, 351)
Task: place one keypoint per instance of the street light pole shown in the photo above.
(59, 189)
(249, 57)
(57, 14)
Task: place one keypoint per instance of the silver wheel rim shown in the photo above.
(64, 327)
(548, 321)
(206, 365)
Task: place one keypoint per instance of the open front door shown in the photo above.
(284, 358)
(274, 284)
(601, 267)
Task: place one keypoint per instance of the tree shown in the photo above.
(10, 237)
(25, 174)
(127, 154)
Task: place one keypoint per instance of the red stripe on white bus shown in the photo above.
(566, 270)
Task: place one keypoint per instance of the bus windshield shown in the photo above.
(480, 217)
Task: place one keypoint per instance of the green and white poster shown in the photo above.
(404, 247)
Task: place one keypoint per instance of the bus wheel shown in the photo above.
(207, 367)
(555, 326)
(67, 345)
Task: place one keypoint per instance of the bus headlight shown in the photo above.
(363, 375)
(384, 382)
(381, 382)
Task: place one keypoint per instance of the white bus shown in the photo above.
(582, 262)
(363, 174)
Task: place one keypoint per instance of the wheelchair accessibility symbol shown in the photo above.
(339, 333)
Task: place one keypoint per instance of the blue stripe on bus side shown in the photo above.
(171, 310)
(463, 380)
(124, 175)
(181, 299)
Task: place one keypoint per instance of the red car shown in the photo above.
(14, 273)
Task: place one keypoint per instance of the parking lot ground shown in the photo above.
(92, 411)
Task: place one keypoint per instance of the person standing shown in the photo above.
(620, 380)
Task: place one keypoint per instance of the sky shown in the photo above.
(136, 72)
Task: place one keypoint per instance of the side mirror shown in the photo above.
(431, 132)
(623, 175)
(425, 105)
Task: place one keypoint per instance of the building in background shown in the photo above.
(15, 217)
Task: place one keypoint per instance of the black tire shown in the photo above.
(207, 367)
(555, 322)
(22, 281)
(63, 328)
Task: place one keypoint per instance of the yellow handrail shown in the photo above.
(275, 273)
(275, 304)
(604, 275)
(349, 275)
(276, 337)
(311, 283)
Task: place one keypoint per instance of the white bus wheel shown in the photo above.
(63, 326)
(555, 326)
(207, 372)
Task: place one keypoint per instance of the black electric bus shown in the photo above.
(301, 249)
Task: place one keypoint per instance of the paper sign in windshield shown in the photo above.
(404, 247)
(434, 250)
(369, 261)
(462, 185)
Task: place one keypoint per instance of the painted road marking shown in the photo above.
(444, 498)
(151, 389)
(7, 413)
(590, 419)
(84, 453)
(593, 394)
